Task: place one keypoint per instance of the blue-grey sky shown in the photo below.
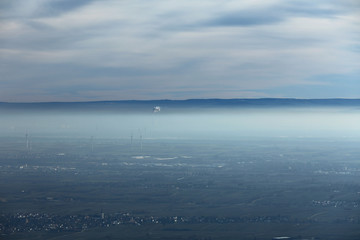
(90, 50)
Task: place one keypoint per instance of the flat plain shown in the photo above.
(249, 188)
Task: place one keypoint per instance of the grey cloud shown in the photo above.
(311, 12)
(5, 4)
(57, 72)
(5, 8)
(57, 7)
(276, 13)
(49, 8)
(45, 37)
(245, 18)
(313, 9)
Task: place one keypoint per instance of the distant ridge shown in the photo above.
(140, 105)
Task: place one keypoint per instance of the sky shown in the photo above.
(94, 50)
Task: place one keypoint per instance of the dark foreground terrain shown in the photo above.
(61, 188)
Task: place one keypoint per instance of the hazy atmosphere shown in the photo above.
(64, 50)
(185, 124)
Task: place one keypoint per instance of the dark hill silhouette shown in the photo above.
(147, 105)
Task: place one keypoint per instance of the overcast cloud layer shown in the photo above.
(89, 50)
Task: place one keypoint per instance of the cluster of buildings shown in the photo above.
(29, 222)
(331, 203)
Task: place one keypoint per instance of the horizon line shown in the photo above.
(180, 100)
